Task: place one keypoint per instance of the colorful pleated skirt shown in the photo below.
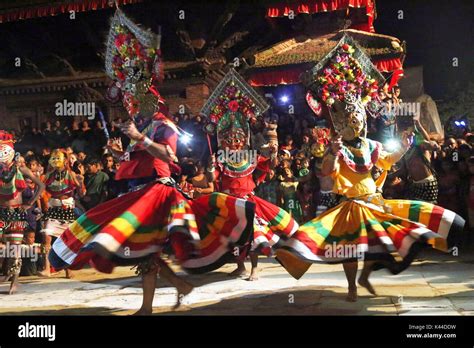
(129, 229)
(390, 232)
(272, 225)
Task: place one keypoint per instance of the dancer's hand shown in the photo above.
(336, 145)
(212, 160)
(131, 131)
(273, 148)
(115, 144)
(406, 139)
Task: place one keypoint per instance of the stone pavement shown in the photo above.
(437, 284)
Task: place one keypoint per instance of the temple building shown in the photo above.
(55, 52)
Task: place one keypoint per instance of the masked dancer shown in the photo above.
(237, 169)
(135, 227)
(13, 219)
(364, 226)
(61, 184)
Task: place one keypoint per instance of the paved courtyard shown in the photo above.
(436, 284)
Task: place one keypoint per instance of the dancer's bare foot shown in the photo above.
(240, 271)
(366, 284)
(143, 311)
(13, 286)
(253, 275)
(45, 274)
(69, 274)
(352, 295)
(184, 289)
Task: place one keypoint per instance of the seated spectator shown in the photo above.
(30, 265)
(200, 183)
(96, 184)
(268, 189)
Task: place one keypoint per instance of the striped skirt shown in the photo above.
(391, 232)
(272, 225)
(129, 229)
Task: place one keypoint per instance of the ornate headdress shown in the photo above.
(230, 107)
(346, 81)
(7, 151)
(133, 62)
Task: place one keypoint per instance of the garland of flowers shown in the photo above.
(130, 53)
(344, 74)
(233, 99)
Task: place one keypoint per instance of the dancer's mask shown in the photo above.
(349, 117)
(7, 152)
(57, 160)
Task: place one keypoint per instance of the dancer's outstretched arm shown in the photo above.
(161, 151)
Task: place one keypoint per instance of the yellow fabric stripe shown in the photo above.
(79, 232)
(148, 237)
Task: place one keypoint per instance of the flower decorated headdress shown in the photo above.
(345, 80)
(231, 106)
(133, 62)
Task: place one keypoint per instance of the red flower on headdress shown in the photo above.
(120, 40)
(233, 106)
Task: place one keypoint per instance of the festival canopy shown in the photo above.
(20, 10)
(317, 6)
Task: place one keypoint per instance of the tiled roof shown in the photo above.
(312, 49)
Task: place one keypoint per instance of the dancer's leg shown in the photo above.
(47, 247)
(148, 284)
(240, 269)
(350, 268)
(182, 286)
(254, 262)
(364, 277)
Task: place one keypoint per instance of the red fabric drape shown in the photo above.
(388, 65)
(286, 76)
(53, 10)
(314, 6)
(397, 75)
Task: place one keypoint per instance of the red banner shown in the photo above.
(388, 65)
(285, 76)
(315, 6)
(53, 10)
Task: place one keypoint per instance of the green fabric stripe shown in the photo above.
(87, 224)
(278, 217)
(349, 236)
(319, 228)
(131, 219)
(414, 211)
(210, 218)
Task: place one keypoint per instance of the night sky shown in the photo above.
(435, 32)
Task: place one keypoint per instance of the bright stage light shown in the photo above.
(391, 145)
(284, 99)
(186, 138)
